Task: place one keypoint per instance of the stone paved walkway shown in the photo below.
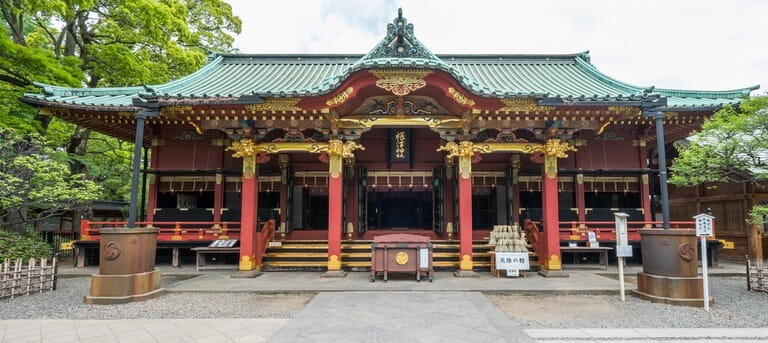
(400, 317)
(140, 330)
(650, 335)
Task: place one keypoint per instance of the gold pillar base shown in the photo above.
(466, 263)
(248, 263)
(334, 263)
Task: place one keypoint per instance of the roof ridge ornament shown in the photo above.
(400, 42)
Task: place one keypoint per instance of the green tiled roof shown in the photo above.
(570, 77)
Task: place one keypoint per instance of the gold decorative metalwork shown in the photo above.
(407, 121)
(196, 127)
(275, 105)
(554, 147)
(553, 150)
(460, 98)
(401, 258)
(339, 151)
(278, 147)
(400, 81)
(247, 263)
(580, 179)
(466, 263)
(523, 105)
(554, 263)
(644, 177)
(174, 111)
(334, 263)
(340, 98)
(625, 110)
(244, 147)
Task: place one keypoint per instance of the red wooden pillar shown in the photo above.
(581, 201)
(247, 149)
(515, 165)
(337, 152)
(550, 257)
(284, 161)
(218, 197)
(645, 189)
(465, 205)
(153, 181)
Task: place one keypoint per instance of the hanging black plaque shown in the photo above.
(400, 145)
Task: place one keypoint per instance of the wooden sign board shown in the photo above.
(512, 260)
(223, 243)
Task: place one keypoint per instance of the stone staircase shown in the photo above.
(356, 255)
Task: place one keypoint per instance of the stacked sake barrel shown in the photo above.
(508, 238)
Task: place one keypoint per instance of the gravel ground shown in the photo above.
(67, 303)
(734, 307)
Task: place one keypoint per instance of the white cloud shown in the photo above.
(670, 44)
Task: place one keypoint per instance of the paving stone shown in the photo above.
(401, 317)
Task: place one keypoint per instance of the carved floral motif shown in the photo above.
(340, 98)
(523, 105)
(400, 81)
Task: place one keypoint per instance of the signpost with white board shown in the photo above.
(623, 249)
(703, 230)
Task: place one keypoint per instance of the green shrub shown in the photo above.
(14, 245)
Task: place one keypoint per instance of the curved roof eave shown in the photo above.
(52, 90)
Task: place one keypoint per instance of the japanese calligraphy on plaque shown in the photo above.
(400, 145)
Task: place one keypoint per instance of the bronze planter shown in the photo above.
(126, 267)
(670, 268)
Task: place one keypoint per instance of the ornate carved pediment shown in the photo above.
(388, 105)
(400, 82)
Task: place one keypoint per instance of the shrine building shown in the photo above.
(327, 151)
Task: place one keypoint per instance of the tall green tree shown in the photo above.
(732, 146)
(101, 43)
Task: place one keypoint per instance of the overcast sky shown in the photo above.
(709, 45)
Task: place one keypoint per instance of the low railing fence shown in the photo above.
(606, 230)
(60, 242)
(18, 278)
(170, 231)
(756, 275)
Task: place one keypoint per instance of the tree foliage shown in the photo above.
(95, 43)
(732, 146)
(36, 181)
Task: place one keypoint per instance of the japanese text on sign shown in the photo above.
(512, 260)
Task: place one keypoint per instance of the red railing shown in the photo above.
(262, 239)
(170, 231)
(606, 230)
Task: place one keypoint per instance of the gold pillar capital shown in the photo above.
(338, 152)
(246, 149)
(557, 148)
(553, 149)
(464, 150)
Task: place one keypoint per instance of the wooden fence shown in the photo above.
(756, 276)
(18, 278)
